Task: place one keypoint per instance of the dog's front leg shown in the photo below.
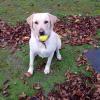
(47, 67)
(31, 63)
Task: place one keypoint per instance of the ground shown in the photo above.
(12, 66)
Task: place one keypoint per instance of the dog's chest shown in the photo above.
(43, 50)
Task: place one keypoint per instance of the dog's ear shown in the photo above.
(53, 19)
(29, 20)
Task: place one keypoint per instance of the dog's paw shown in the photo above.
(30, 70)
(46, 71)
(59, 57)
(27, 74)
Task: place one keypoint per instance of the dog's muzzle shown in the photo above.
(41, 32)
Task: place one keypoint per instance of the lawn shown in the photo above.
(12, 66)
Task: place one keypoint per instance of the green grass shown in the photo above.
(18, 10)
(19, 64)
(12, 66)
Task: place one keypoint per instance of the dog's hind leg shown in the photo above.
(58, 48)
(58, 54)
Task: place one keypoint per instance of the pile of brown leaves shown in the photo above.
(13, 36)
(78, 30)
(38, 96)
(5, 88)
(76, 87)
(82, 61)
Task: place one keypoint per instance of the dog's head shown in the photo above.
(42, 23)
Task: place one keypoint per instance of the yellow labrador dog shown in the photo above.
(42, 24)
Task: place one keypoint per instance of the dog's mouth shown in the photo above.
(43, 38)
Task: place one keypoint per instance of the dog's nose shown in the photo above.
(41, 32)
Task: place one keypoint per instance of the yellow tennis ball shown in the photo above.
(43, 38)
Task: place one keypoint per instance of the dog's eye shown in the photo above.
(46, 22)
(36, 22)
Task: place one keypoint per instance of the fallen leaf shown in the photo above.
(22, 96)
(36, 86)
